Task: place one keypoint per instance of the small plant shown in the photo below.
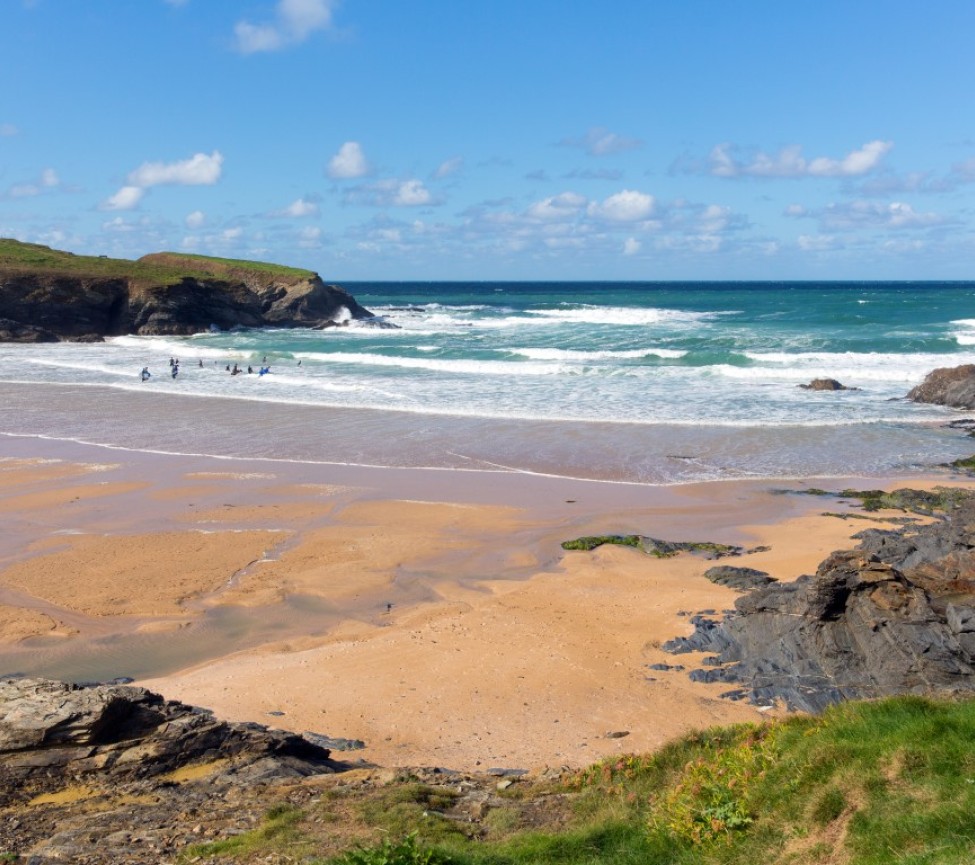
(406, 851)
(712, 797)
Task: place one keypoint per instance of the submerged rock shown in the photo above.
(825, 384)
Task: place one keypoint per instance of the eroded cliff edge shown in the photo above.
(49, 295)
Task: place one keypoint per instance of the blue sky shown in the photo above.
(464, 139)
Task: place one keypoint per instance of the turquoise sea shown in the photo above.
(642, 382)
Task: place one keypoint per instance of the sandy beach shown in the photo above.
(431, 614)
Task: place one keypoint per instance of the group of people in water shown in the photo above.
(264, 369)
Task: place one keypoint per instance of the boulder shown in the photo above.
(740, 579)
(950, 386)
(825, 384)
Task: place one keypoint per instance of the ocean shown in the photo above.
(651, 383)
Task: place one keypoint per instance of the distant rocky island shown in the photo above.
(48, 295)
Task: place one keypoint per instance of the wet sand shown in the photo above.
(431, 614)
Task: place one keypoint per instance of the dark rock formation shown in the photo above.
(15, 331)
(47, 294)
(742, 579)
(112, 773)
(895, 615)
(75, 308)
(951, 386)
(825, 384)
(51, 731)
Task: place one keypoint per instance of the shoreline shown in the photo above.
(438, 621)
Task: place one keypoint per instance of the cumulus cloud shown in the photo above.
(631, 246)
(726, 160)
(195, 220)
(391, 192)
(625, 206)
(350, 162)
(298, 209)
(556, 207)
(601, 142)
(127, 198)
(294, 21)
(201, 169)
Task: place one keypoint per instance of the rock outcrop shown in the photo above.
(54, 295)
(113, 766)
(952, 386)
(895, 615)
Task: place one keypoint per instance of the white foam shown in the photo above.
(575, 355)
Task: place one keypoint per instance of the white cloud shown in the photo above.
(7, 130)
(195, 220)
(818, 242)
(310, 237)
(626, 206)
(199, 170)
(557, 207)
(391, 192)
(47, 181)
(853, 164)
(127, 198)
(869, 214)
(350, 162)
(450, 166)
(294, 21)
(795, 210)
(601, 142)
(298, 209)
(411, 193)
(789, 162)
(631, 246)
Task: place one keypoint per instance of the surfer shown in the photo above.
(145, 374)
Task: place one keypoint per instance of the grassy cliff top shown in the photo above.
(165, 268)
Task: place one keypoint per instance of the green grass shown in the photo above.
(226, 267)
(867, 783)
(279, 832)
(158, 269)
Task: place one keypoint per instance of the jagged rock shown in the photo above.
(50, 731)
(825, 384)
(742, 579)
(888, 617)
(15, 331)
(951, 386)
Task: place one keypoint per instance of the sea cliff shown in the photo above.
(48, 295)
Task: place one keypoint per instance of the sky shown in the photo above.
(502, 140)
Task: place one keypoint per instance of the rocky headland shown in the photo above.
(894, 615)
(48, 295)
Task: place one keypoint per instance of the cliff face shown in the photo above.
(59, 296)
